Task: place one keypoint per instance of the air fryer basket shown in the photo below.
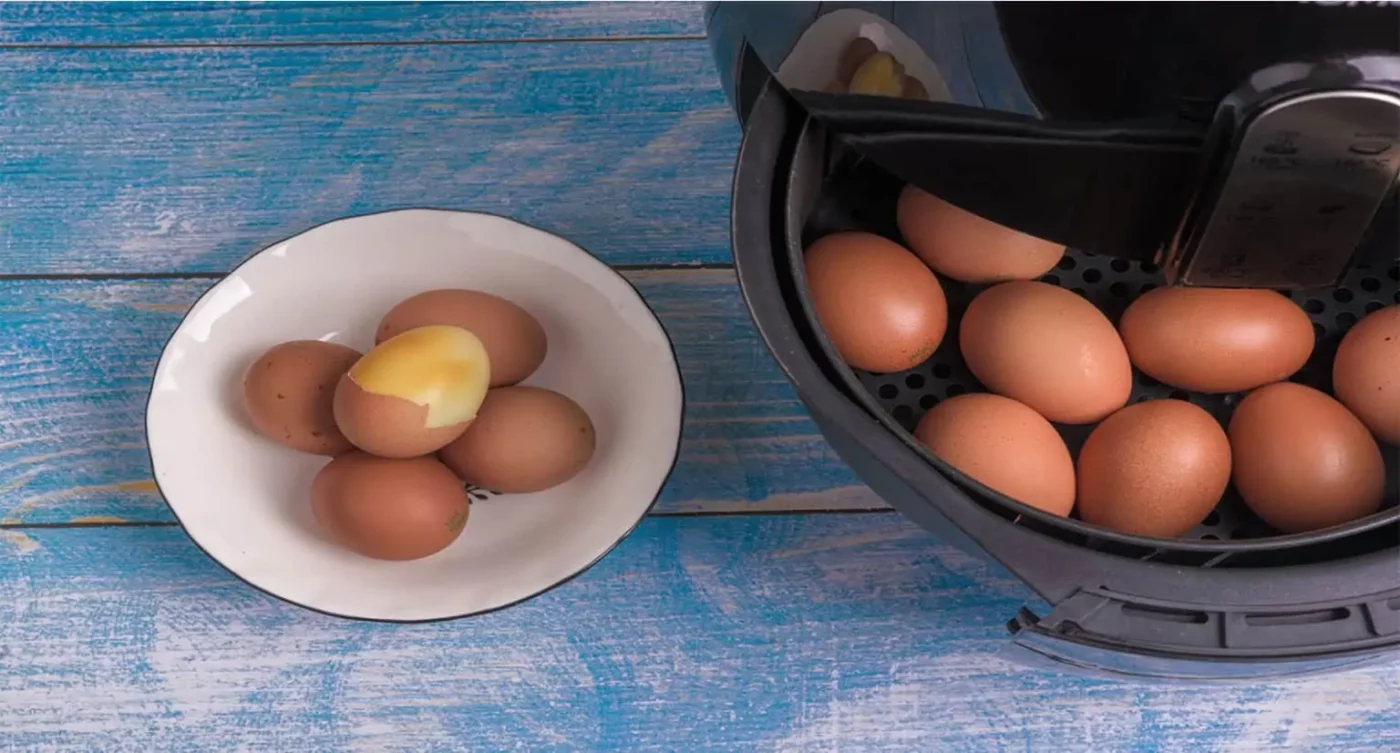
(1231, 599)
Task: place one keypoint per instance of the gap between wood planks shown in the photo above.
(348, 43)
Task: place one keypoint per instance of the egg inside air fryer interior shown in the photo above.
(882, 309)
(1156, 468)
(1005, 445)
(963, 246)
(1302, 460)
(1217, 339)
(1048, 348)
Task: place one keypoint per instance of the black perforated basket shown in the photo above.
(1231, 599)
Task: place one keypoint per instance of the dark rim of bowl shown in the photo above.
(675, 457)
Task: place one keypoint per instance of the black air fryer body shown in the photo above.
(1129, 132)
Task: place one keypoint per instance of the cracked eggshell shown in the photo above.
(414, 392)
(513, 338)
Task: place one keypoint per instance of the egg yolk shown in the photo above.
(442, 368)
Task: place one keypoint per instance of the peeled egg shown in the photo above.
(524, 439)
(1005, 445)
(1216, 339)
(883, 310)
(414, 392)
(852, 58)
(389, 509)
(879, 74)
(514, 340)
(1366, 373)
(288, 393)
(1156, 468)
(959, 244)
(1302, 460)
(1047, 348)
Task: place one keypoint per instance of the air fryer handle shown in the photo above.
(1036, 647)
(1093, 627)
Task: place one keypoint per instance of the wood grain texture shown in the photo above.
(794, 633)
(180, 160)
(181, 23)
(78, 357)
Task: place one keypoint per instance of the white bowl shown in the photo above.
(244, 500)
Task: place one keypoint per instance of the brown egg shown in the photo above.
(959, 244)
(1216, 339)
(914, 89)
(1366, 374)
(414, 392)
(1156, 468)
(287, 394)
(1302, 460)
(524, 439)
(1005, 445)
(389, 509)
(1048, 348)
(882, 308)
(513, 338)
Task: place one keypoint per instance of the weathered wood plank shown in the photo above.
(203, 23)
(794, 633)
(179, 160)
(78, 356)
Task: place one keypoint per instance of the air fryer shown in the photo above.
(1186, 144)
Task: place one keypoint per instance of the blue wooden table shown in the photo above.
(771, 603)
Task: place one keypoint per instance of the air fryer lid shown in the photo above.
(1237, 145)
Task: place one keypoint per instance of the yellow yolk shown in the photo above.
(879, 74)
(442, 368)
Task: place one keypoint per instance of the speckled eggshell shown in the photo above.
(1048, 348)
(1366, 372)
(1216, 339)
(882, 309)
(513, 338)
(1303, 462)
(959, 244)
(389, 509)
(1156, 468)
(288, 393)
(1004, 445)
